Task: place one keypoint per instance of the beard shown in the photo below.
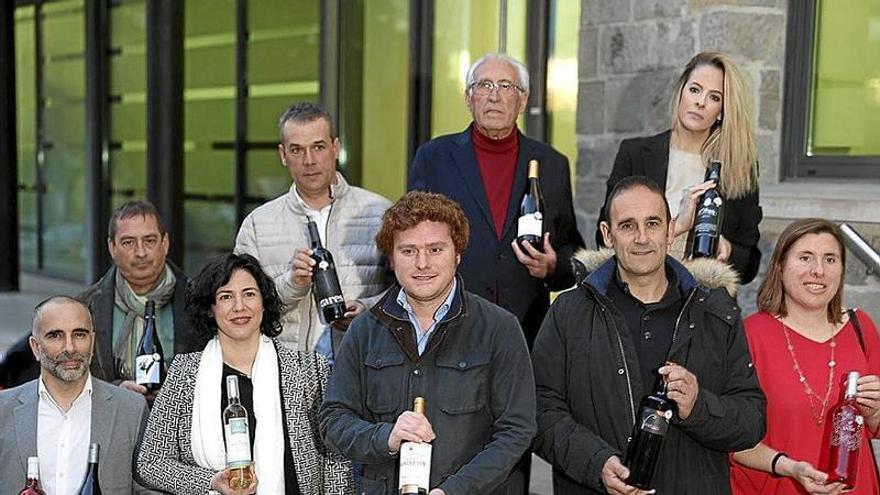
(53, 365)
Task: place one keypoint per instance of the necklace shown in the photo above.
(814, 398)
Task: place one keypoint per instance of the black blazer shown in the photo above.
(489, 268)
(649, 156)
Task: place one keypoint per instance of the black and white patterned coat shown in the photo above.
(165, 460)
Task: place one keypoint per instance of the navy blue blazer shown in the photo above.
(649, 156)
(489, 268)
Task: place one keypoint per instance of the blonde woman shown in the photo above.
(711, 120)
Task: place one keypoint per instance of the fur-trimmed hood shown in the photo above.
(707, 272)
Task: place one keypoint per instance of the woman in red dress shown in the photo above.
(803, 344)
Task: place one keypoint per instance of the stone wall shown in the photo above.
(631, 51)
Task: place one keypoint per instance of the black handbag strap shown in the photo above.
(858, 328)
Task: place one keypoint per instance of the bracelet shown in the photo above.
(776, 458)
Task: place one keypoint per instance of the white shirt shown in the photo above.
(323, 346)
(685, 170)
(63, 440)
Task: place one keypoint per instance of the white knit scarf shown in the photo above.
(207, 425)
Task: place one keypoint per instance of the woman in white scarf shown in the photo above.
(183, 451)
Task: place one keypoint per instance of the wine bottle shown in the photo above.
(643, 452)
(707, 221)
(846, 436)
(90, 484)
(238, 438)
(32, 486)
(325, 282)
(149, 366)
(530, 227)
(415, 461)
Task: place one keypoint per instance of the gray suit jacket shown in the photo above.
(118, 418)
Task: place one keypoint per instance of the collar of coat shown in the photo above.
(708, 273)
(337, 190)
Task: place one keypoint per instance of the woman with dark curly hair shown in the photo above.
(234, 304)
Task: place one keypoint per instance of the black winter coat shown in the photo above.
(589, 387)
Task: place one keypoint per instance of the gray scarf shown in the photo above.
(133, 305)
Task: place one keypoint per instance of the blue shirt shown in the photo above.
(422, 336)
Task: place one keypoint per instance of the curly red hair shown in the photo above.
(416, 207)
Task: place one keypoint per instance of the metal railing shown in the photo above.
(861, 249)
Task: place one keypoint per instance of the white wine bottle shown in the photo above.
(530, 226)
(238, 438)
(90, 484)
(150, 360)
(415, 461)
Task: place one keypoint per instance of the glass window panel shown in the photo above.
(27, 229)
(465, 30)
(386, 86)
(213, 173)
(291, 56)
(267, 177)
(846, 96)
(63, 203)
(210, 231)
(26, 102)
(263, 114)
(209, 121)
(128, 107)
(562, 80)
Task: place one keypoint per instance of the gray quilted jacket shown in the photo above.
(274, 231)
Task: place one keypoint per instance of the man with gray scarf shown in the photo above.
(138, 244)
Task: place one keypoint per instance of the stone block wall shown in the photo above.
(630, 55)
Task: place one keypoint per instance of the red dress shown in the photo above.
(790, 424)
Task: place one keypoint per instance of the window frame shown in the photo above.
(797, 108)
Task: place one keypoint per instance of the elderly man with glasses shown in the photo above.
(485, 169)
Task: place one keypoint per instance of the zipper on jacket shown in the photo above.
(684, 308)
(632, 405)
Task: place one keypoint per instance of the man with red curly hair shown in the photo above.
(428, 337)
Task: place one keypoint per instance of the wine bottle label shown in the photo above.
(147, 368)
(238, 443)
(530, 224)
(655, 421)
(415, 464)
(327, 301)
(846, 431)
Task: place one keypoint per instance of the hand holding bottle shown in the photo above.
(813, 480)
(614, 475)
(302, 267)
(868, 398)
(540, 265)
(682, 388)
(220, 483)
(410, 426)
(684, 222)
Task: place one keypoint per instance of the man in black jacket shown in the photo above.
(429, 337)
(138, 244)
(638, 318)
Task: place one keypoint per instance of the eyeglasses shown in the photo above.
(504, 88)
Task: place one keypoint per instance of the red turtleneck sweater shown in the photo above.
(497, 160)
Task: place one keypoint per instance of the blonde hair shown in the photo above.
(732, 140)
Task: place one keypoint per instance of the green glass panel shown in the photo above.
(209, 172)
(209, 121)
(465, 30)
(27, 229)
(209, 231)
(64, 210)
(562, 80)
(291, 58)
(386, 89)
(211, 67)
(26, 106)
(128, 25)
(63, 29)
(209, 17)
(267, 178)
(128, 121)
(846, 96)
(129, 169)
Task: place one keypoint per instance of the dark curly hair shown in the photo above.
(416, 207)
(202, 289)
